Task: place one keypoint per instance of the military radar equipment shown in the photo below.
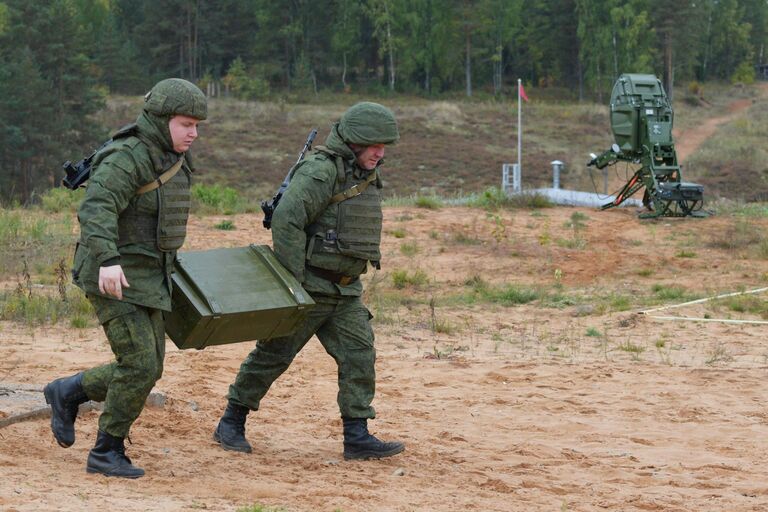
(641, 121)
(268, 207)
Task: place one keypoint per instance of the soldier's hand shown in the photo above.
(112, 280)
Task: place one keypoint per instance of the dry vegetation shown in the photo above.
(511, 357)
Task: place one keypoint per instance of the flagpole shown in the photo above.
(519, 128)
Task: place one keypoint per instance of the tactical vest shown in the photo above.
(160, 216)
(350, 226)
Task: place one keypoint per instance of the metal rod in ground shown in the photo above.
(721, 320)
(698, 301)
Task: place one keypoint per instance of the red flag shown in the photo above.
(522, 92)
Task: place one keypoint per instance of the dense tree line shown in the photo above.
(58, 58)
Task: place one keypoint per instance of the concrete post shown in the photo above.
(557, 166)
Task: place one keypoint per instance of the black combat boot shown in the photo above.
(64, 396)
(108, 458)
(359, 444)
(230, 433)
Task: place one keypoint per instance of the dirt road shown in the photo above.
(571, 402)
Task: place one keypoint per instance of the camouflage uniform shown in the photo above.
(140, 233)
(139, 230)
(326, 230)
(340, 320)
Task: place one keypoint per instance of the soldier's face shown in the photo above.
(183, 132)
(368, 157)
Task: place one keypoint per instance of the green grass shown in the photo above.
(747, 304)
(220, 200)
(225, 225)
(261, 508)
(732, 161)
(666, 293)
(429, 202)
(494, 198)
(409, 249)
(594, 333)
(37, 308)
(402, 278)
(34, 238)
(630, 347)
(397, 232)
(61, 199)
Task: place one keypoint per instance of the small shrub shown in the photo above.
(225, 225)
(79, 322)
(744, 74)
(620, 303)
(685, 254)
(510, 295)
(398, 233)
(402, 278)
(594, 333)
(633, 348)
(429, 202)
(216, 199)
(409, 248)
(261, 508)
(668, 292)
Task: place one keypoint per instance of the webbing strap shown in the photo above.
(354, 191)
(162, 179)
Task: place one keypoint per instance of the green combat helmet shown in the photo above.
(174, 96)
(368, 123)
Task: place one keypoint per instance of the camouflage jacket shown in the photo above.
(306, 212)
(118, 171)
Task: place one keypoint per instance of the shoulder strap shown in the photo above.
(337, 160)
(162, 179)
(354, 191)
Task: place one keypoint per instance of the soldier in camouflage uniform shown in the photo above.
(132, 221)
(325, 230)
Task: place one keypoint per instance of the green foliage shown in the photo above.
(38, 308)
(33, 238)
(48, 94)
(744, 73)
(402, 278)
(243, 84)
(495, 198)
(261, 508)
(429, 202)
(665, 293)
(225, 225)
(217, 199)
(61, 199)
(409, 249)
(747, 304)
(594, 333)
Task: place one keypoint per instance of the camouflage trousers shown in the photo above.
(342, 324)
(137, 337)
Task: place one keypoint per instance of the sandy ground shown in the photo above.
(502, 408)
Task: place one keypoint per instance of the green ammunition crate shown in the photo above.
(225, 296)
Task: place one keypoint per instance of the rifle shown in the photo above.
(268, 207)
(78, 173)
